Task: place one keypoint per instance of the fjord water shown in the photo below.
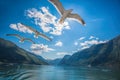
(36, 72)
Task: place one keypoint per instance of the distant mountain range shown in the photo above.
(11, 53)
(105, 54)
(54, 61)
(64, 60)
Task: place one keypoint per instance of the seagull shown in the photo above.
(66, 13)
(36, 33)
(22, 39)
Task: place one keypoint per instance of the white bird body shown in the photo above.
(22, 39)
(66, 13)
(37, 34)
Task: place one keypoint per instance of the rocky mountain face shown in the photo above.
(105, 54)
(11, 53)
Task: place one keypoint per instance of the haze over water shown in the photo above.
(36, 72)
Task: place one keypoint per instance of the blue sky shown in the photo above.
(101, 16)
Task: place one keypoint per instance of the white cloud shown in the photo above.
(59, 44)
(88, 43)
(61, 53)
(40, 48)
(81, 38)
(74, 51)
(45, 27)
(96, 38)
(14, 26)
(91, 37)
(75, 43)
(78, 40)
(21, 28)
(46, 21)
(84, 47)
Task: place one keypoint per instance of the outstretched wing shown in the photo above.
(28, 27)
(45, 37)
(29, 40)
(77, 17)
(16, 35)
(58, 6)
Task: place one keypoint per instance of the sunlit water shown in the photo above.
(35, 72)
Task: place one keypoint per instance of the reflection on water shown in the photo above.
(35, 72)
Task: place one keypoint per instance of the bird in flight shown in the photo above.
(37, 33)
(66, 13)
(22, 39)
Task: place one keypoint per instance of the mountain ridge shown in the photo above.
(15, 54)
(104, 54)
